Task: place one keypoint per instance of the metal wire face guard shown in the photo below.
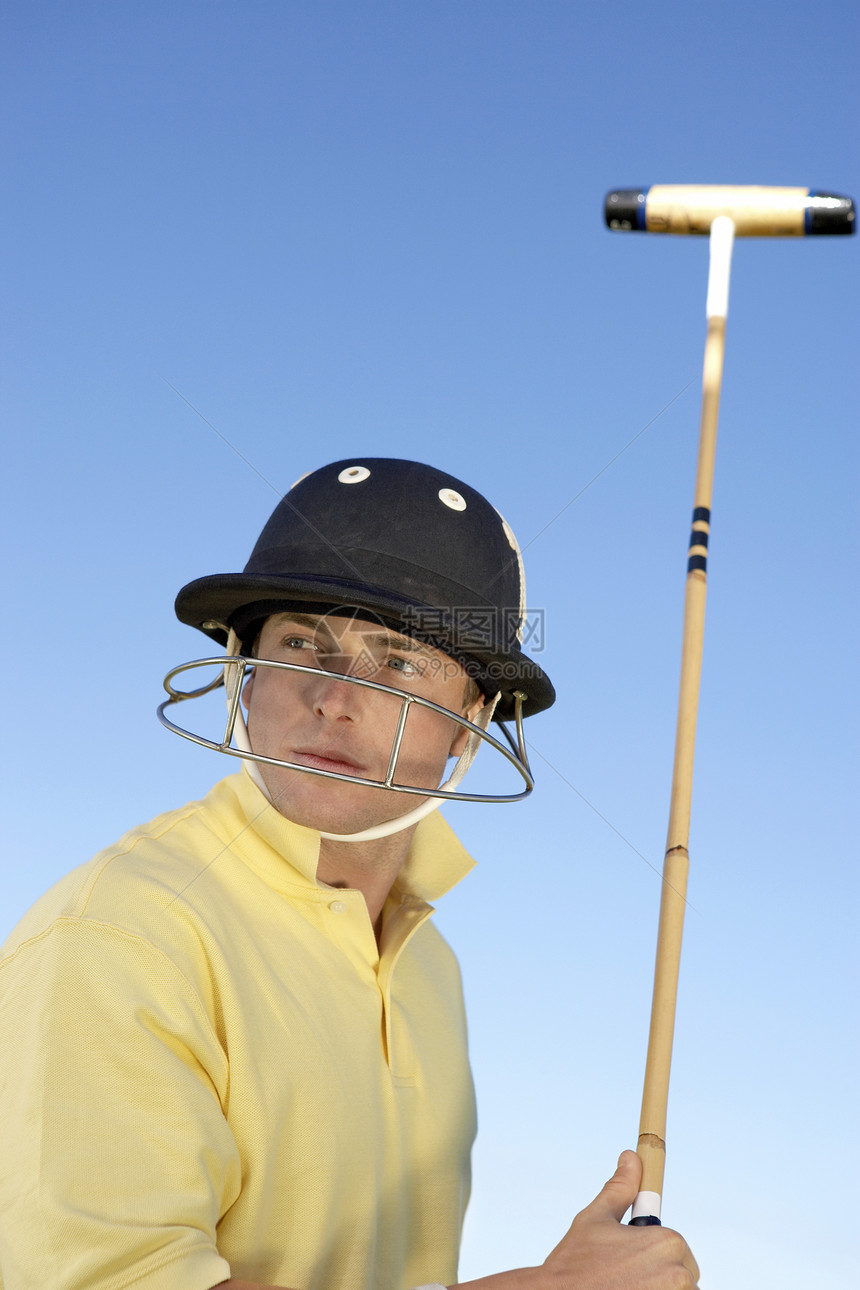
(234, 669)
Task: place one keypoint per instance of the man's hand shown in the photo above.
(598, 1253)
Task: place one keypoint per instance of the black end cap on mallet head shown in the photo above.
(829, 213)
(625, 209)
(645, 1220)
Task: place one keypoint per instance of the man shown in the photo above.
(234, 1043)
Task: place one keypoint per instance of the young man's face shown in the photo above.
(335, 725)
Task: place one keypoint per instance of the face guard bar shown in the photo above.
(233, 672)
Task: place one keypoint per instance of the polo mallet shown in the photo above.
(723, 213)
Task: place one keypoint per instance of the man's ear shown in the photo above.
(459, 742)
(247, 690)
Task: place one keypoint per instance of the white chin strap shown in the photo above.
(387, 827)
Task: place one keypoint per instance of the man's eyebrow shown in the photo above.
(373, 639)
(390, 640)
(303, 620)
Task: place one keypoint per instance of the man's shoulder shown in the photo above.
(145, 869)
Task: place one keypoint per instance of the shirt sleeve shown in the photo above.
(118, 1160)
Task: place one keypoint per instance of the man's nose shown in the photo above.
(350, 663)
(338, 700)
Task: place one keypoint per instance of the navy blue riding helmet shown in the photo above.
(419, 549)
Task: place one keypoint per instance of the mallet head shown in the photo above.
(755, 210)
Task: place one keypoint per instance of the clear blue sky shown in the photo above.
(346, 229)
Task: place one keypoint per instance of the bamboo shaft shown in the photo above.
(695, 595)
(652, 1122)
(652, 1125)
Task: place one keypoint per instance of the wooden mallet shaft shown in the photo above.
(652, 1125)
(723, 211)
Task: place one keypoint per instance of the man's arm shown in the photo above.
(245, 1285)
(597, 1253)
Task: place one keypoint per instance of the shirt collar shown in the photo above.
(435, 863)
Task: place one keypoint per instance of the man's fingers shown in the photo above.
(599, 1252)
(618, 1193)
(692, 1266)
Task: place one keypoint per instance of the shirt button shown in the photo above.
(338, 907)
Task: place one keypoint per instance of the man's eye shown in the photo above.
(404, 666)
(297, 642)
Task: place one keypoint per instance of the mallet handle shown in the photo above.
(652, 1125)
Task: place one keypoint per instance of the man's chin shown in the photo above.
(331, 807)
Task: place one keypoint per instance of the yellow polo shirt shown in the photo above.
(209, 1069)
